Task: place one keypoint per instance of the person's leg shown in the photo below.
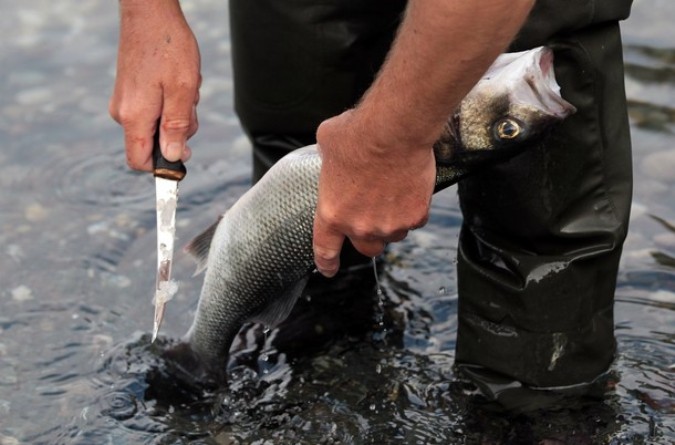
(298, 63)
(542, 238)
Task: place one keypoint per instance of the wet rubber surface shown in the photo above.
(77, 259)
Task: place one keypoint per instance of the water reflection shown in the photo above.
(663, 258)
(655, 67)
(77, 264)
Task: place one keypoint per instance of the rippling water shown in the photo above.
(77, 268)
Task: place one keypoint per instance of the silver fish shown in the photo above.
(258, 256)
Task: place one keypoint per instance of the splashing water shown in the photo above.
(72, 370)
(380, 331)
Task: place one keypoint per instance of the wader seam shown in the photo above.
(599, 114)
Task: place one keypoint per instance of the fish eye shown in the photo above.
(507, 129)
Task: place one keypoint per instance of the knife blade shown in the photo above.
(167, 175)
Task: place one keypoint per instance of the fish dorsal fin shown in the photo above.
(200, 245)
(279, 309)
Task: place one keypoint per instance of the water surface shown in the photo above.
(77, 272)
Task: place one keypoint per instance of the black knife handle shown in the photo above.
(163, 168)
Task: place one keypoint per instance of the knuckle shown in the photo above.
(362, 232)
(321, 130)
(325, 254)
(393, 227)
(421, 222)
(127, 115)
(326, 260)
(112, 110)
(186, 83)
(328, 216)
(418, 221)
(399, 236)
(326, 130)
(176, 125)
(132, 162)
(369, 249)
(193, 130)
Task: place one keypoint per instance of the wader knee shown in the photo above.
(542, 237)
(298, 63)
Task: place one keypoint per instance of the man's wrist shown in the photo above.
(389, 127)
(149, 6)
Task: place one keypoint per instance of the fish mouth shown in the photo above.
(543, 89)
(513, 105)
(449, 143)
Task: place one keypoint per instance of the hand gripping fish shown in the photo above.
(258, 256)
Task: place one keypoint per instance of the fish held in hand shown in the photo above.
(258, 255)
(510, 109)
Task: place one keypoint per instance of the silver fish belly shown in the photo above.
(259, 254)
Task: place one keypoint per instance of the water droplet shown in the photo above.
(34, 96)
(15, 252)
(22, 293)
(377, 278)
(9, 440)
(119, 406)
(35, 212)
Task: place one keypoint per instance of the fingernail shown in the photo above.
(328, 273)
(174, 151)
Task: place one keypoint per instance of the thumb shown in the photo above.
(179, 122)
(327, 244)
(173, 137)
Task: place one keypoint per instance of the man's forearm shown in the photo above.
(442, 49)
(143, 12)
(149, 5)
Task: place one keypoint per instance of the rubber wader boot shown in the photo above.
(542, 236)
(541, 241)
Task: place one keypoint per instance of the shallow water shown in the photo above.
(77, 269)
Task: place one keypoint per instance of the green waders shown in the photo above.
(542, 234)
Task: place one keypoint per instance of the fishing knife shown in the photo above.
(167, 175)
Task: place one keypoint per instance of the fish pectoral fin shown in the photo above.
(200, 245)
(280, 308)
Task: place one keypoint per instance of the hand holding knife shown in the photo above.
(167, 175)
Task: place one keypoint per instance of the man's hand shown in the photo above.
(158, 79)
(371, 193)
(378, 169)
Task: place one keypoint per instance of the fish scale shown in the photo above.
(270, 250)
(259, 255)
